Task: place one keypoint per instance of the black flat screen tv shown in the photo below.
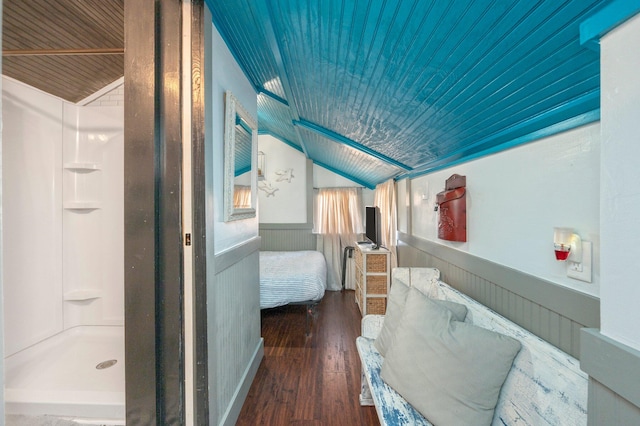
(372, 225)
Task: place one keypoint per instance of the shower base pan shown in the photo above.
(76, 375)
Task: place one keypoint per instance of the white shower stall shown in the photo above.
(63, 258)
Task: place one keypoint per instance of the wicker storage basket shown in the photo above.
(358, 259)
(376, 284)
(376, 263)
(376, 305)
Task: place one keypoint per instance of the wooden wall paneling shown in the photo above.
(287, 237)
(607, 407)
(234, 330)
(555, 327)
(565, 341)
(614, 379)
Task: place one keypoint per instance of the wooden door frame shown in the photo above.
(154, 236)
(199, 200)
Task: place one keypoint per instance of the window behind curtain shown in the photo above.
(337, 219)
(241, 197)
(337, 211)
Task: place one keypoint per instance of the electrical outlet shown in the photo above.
(581, 270)
(575, 266)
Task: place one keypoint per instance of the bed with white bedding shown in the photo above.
(291, 277)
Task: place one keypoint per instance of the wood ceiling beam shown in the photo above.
(63, 52)
(336, 137)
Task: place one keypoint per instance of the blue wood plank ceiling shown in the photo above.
(376, 89)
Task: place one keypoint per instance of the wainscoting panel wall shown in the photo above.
(552, 312)
(614, 379)
(606, 407)
(287, 237)
(235, 345)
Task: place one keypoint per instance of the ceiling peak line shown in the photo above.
(336, 137)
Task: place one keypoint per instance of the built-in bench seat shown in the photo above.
(545, 386)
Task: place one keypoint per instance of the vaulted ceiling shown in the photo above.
(370, 89)
(376, 89)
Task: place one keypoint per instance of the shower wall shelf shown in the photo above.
(82, 167)
(82, 295)
(82, 205)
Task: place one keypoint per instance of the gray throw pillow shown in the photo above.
(395, 307)
(450, 371)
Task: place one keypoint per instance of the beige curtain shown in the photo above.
(385, 198)
(337, 219)
(241, 196)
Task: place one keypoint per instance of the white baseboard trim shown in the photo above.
(233, 410)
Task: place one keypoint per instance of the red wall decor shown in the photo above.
(452, 206)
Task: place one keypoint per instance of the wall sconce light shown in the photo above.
(261, 171)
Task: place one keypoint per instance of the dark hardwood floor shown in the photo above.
(312, 380)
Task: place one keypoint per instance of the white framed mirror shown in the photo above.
(240, 157)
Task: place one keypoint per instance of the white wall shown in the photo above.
(404, 204)
(288, 204)
(56, 251)
(226, 75)
(93, 240)
(323, 178)
(516, 198)
(32, 215)
(620, 174)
